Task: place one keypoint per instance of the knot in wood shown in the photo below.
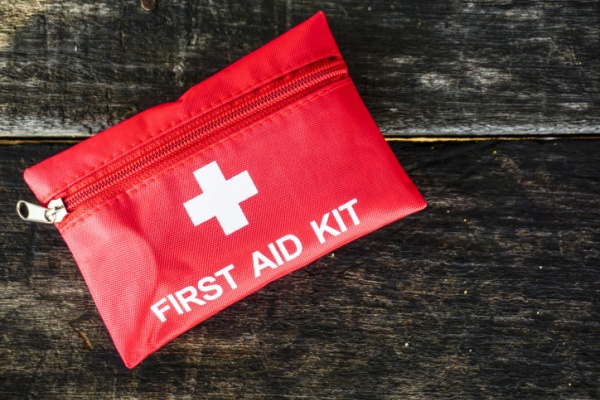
(148, 5)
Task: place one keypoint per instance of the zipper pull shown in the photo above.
(55, 212)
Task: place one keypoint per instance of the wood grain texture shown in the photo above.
(71, 68)
(491, 292)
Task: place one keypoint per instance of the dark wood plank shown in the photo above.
(491, 292)
(73, 68)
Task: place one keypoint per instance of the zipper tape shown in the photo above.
(127, 142)
(129, 169)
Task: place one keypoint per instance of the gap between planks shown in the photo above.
(414, 139)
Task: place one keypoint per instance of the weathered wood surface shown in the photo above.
(491, 292)
(439, 68)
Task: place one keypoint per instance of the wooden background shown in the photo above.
(493, 109)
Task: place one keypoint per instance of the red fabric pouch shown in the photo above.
(185, 208)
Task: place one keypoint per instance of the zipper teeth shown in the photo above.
(330, 70)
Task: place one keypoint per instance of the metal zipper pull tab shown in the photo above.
(55, 212)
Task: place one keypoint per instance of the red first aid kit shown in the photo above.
(185, 208)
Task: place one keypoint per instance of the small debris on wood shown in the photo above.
(86, 342)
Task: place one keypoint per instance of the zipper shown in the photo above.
(182, 141)
(54, 213)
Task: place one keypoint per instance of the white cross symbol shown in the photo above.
(220, 198)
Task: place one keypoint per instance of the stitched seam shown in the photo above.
(236, 136)
(186, 119)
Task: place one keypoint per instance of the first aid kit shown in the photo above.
(187, 207)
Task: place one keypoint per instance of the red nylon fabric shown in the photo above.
(307, 179)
